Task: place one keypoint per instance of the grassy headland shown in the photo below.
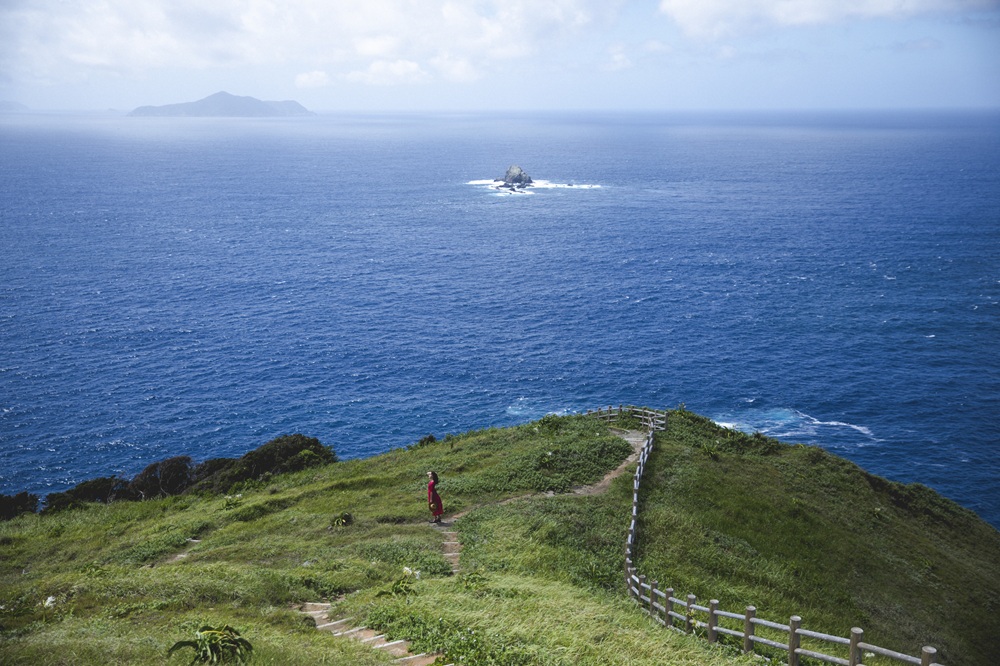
(541, 579)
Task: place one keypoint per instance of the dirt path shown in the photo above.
(451, 548)
(637, 440)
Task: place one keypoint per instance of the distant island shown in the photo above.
(7, 106)
(225, 105)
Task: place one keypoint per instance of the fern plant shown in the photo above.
(216, 646)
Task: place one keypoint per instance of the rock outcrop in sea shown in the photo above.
(516, 177)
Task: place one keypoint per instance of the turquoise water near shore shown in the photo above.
(199, 286)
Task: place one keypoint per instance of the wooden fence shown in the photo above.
(650, 419)
(684, 614)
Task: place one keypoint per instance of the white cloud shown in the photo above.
(390, 72)
(380, 46)
(617, 59)
(456, 70)
(717, 18)
(314, 79)
(373, 40)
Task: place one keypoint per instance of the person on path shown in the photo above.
(433, 499)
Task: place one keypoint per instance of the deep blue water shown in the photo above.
(196, 286)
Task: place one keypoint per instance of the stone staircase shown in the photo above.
(345, 627)
(451, 549)
(400, 649)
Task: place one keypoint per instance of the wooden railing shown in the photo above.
(650, 419)
(671, 611)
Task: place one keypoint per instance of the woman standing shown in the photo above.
(433, 499)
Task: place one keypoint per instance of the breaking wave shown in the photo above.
(497, 186)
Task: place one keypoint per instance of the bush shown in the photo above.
(216, 645)
(210, 468)
(426, 440)
(12, 506)
(166, 477)
(104, 490)
(288, 453)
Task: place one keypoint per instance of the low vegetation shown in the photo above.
(794, 530)
(123, 582)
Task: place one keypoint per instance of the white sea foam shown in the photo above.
(837, 424)
(498, 185)
(786, 424)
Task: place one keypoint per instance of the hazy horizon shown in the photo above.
(562, 55)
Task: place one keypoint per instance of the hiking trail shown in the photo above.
(451, 549)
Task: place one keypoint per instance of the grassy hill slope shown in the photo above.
(795, 530)
(541, 576)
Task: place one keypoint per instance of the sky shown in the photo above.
(504, 55)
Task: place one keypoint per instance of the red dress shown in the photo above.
(434, 500)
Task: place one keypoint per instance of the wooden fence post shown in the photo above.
(689, 614)
(652, 599)
(713, 606)
(854, 657)
(669, 606)
(638, 592)
(748, 629)
(927, 655)
(794, 640)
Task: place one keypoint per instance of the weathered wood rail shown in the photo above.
(685, 615)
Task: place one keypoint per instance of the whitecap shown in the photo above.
(505, 192)
(838, 424)
(785, 424)
(495, 184)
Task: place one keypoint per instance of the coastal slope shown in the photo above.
(742, 518)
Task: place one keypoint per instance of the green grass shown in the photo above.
(795, 530)
(110, 569)
(522, 619)
(744, 519)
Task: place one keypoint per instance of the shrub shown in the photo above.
(12, 506)
(426, 440)
(166, 477)
(216, 645)
(288, 453)
(342, 520)
(104, 490)
(211, 467)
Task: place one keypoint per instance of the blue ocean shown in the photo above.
(201, 286)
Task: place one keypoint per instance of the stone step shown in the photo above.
(418, 660)
(398, 648)
(366, 635)
(334, 626)
(349, 632)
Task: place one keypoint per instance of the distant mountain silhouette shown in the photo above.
(224, 105)
(8, 106)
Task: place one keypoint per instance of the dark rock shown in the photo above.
(515, 177)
